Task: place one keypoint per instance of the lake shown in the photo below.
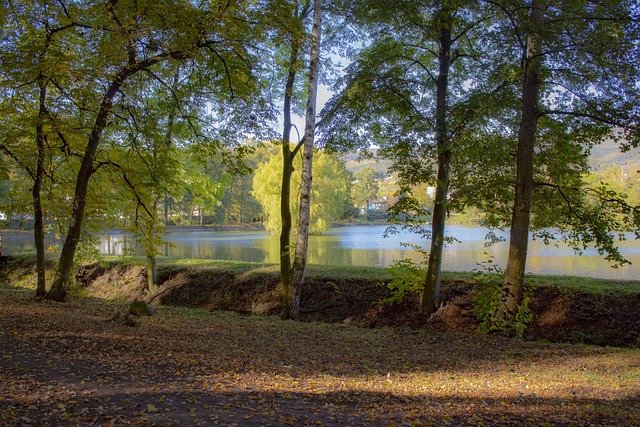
(366, 246)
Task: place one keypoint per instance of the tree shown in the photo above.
(327, 197)
(293, 32)
(576, 80)
(398, 94)
(365, 186)
(237, 205)
(130, 38)
(289, 19)
(304, 211)
(519, 233)
(44, 30)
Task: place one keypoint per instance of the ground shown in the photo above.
(560, 315)
(68, 364)
(71, 364)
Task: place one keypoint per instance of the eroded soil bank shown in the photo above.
(560, 315)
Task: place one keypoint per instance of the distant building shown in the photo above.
(375, 204)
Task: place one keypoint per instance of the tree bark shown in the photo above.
(150, 251)
(285, 190)
(521, 214)
(169, 136)
(38, 226)
(302, 243)
(288, 156)
(152, 272)
(58, 289)
(431, 295)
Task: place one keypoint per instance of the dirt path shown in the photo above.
(67, 364)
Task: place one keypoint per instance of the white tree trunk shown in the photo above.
(300, 259)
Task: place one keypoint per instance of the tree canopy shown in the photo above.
(142, 114)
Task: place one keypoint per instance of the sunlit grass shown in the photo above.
(345, 272)
(587, 284)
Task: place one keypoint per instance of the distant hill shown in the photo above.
(603, 156)
(354, 164)
(607, 155)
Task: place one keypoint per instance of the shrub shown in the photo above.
(488, 300)
(408, 277)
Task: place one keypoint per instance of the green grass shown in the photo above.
(587, 284)
(236, 266)
(334, 272)
(376, 274)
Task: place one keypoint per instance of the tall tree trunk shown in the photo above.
(58, 289)
(431, 295)
(38, 226)
(519, 234)
(36, 191)
(285, 190)
(285, 231)
(169, 135)
(300, 260)
(287, 171)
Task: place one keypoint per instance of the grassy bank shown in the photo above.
(595, 286)
(344, 272)
(565, 309)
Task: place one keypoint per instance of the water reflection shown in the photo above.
(365, 246)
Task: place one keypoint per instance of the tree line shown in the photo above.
(111, 106)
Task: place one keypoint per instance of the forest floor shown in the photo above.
(227, 360)
(68, 364)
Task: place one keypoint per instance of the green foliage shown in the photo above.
(329, 192)
(488, 301)
(365, 186)
(408, 277)
(77, 291)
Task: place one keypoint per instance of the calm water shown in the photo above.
(365, 245)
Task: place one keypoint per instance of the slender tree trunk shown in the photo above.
(169, 136)
(150, 252)
(38, 226)
(519, 234)
(36, 191)
(300, 260)
(285, 232)
(285, 190)
(152, 271)
(431, 296)
(285, 203)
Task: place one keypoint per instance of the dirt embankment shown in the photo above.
(559, 315)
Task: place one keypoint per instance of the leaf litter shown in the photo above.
(67, 364)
